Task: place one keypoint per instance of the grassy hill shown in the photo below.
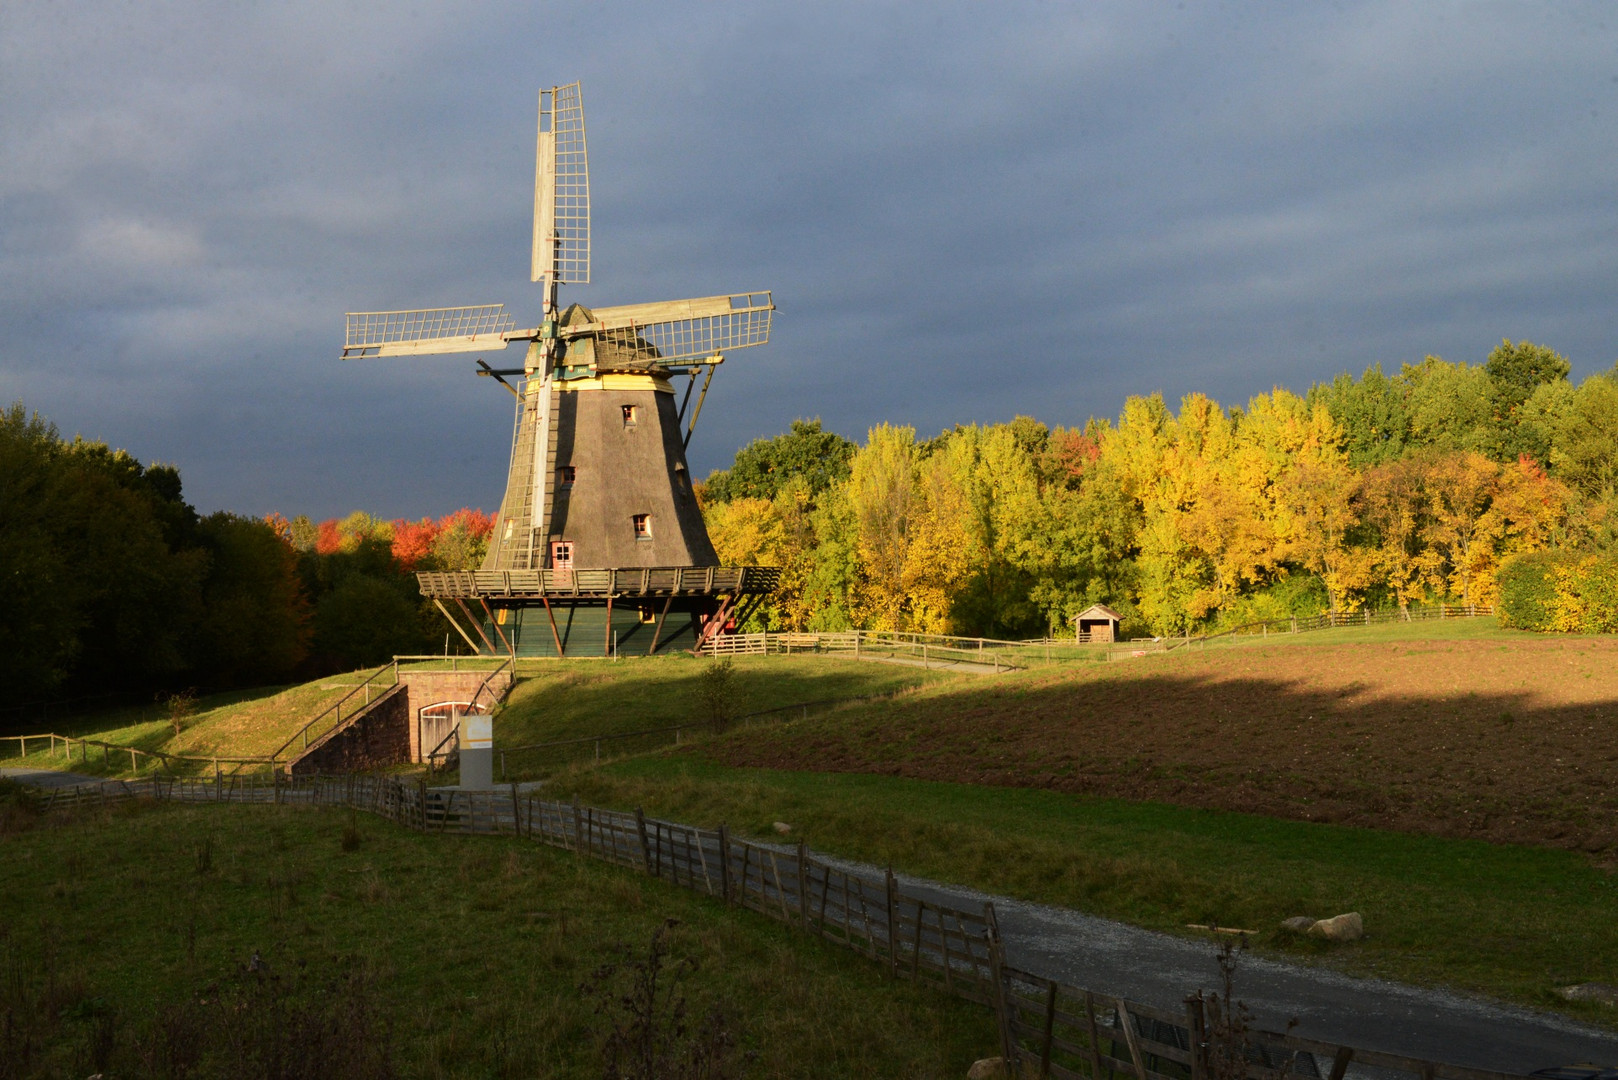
(130, 936)
(551, 700)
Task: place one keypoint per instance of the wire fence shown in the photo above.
(1047, 1028)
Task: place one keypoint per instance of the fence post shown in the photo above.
(645, 845)
(218, 783)
(803, 884)
(1050, 1033)
(578, 825)
(724, 862)
(893, 923)
(997, 973)
(1196, 1029)
(516, 807)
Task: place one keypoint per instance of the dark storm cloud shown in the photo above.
(965, 212)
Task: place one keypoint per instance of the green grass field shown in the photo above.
(128, 934)
(559, 702)
(1509, 922)
(1513, 922)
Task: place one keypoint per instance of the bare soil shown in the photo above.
(1514, 742)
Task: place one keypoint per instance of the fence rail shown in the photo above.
(68, 743)
(1047, 1028)
(333, 716)
(943, 651)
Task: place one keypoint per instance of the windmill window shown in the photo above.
(643, 526)
(561, 554)
(631, 414)
(566, 475)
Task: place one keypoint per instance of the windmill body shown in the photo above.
(599, 545)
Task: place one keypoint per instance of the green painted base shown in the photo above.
(584, 632)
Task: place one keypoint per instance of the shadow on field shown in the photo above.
(1515, 746)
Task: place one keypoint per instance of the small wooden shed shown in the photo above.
(1098, 622)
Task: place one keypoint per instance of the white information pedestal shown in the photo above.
(477, 751)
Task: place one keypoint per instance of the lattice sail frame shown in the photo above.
(561, 189)
(708, 326)
(428, 330)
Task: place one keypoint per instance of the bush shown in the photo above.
(1560, 590)
(1528, 590)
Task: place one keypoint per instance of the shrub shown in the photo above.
(1528, 590)
(1559, 590)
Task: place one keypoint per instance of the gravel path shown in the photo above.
(49, 778)
(1158, 969)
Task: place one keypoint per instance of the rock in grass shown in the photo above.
(782, 827)
(1349, 927)
(1299, 924)
(988, 1069)
(1604, 993)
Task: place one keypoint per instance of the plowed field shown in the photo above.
(1513, 742)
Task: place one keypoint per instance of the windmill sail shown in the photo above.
(561, 190)
(427, 330)
(679, 331)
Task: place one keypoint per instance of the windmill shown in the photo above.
(599, 527)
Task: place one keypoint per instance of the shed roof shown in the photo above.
(1095, 612)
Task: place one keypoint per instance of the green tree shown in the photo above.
(1584, 449)
(1449, 405)
(764, 466)
(255, 622)
(1373, 414)
(1516, 371)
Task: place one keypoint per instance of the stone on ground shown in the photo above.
(1349, 927)
(1605, 993)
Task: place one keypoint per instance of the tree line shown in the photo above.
(1468, 483)
(117, 584)
(1379, 491)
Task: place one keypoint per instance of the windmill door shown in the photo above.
(562, 561)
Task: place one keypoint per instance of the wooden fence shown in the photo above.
(138, 759)
(1047, 1028)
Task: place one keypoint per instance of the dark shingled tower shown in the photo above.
(599, 545)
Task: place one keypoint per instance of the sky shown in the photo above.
(965, 211)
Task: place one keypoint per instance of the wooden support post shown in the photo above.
(606, 643)
(724, 862)
(1002, 1009)
(893, 925)
(1196, 1026)
(516, 810)
(645, 844)
(496, 624)
(475, 625)
(555, 634)
(657, 633)
(578, 825)
(1050, 1031)
(464, 635)
(1095, 1036)
(1339, 1062)
(803, 885)
(1128, 1025)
